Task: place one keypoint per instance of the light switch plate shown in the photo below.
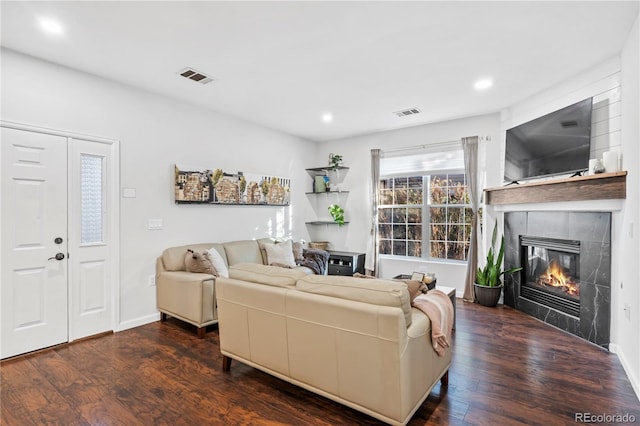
(128, 193)
(154, 224)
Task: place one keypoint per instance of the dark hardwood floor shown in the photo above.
(508, 369)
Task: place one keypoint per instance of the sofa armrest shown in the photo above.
(159, 267)
(188, 296)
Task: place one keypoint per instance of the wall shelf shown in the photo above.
(328, 192)
(604, 186)
(322, 222)
(321, 203)
(316, 170)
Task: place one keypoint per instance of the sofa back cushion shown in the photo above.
(264, 274)
(242, 251)
(373, 291)
(263, 251)
(173, 257)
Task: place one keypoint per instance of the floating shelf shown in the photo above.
(323, 222)
(336, 178)
(604, 186)
(328, 192)
(326, 169)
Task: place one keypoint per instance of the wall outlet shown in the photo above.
(152, 280)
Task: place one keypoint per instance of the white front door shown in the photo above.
(90, 238)
(34, 231)
(59, 223)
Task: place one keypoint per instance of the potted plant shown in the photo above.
(488, 285)
(335, 160)
(337, 213)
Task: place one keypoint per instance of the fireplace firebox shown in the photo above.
(566, 275)
(551, 273)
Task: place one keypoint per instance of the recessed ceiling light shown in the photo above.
(483, 84)
(50, 26)
(327, 117)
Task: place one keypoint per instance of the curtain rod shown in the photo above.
(423, 146)
(430, 145)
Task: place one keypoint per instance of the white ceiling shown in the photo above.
(284, 64)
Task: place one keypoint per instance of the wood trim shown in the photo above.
(605, 186)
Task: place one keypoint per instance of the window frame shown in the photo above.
(426, 217)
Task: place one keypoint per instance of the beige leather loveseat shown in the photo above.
(353, 340)
(190, 296)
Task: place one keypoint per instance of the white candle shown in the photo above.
(610, 160)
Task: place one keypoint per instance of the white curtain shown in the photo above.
(470, 148)
(371, 258)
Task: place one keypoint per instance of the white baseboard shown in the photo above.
(635, 382)
(137, 322)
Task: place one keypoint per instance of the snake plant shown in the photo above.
(490, 275)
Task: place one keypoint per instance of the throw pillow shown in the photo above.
(218, 263)
(416, 288)
(199, 262)
(280, 253)
(297, 251)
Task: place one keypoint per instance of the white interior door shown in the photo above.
(33, 294)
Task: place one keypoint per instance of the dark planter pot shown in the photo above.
(487, 296)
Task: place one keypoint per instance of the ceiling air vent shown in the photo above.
(196, 76)
(406, 112)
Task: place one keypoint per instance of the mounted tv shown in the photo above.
(554, 144)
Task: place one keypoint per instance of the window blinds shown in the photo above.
(422, 160)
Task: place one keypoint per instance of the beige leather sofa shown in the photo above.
(356, 341)
(190, 296)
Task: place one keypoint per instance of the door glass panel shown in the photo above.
(91, 187)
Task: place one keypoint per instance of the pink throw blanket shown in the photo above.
(438, 307)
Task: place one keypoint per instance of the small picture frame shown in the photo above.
(417, 276)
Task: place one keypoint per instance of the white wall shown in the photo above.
(614, 86)
(628, 326)
(154, 133)
(356, 153)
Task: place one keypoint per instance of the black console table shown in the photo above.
(345, 263)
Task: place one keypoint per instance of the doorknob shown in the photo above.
(58, 256)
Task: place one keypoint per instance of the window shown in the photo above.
(427, 215)
(91, 199)
(449, 217)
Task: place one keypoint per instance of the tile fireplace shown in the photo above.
(566, 275)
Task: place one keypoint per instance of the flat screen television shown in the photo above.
(554, 144)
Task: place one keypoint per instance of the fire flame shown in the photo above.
(555, 276)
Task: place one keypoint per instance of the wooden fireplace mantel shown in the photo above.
(605, 186)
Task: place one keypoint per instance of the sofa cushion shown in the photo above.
(373, 291)
(173, 257)
(242, 251)
(196, 261)
(298, 250)
(263, 252)
(218, 263)
(263, 274)
(280, 254)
